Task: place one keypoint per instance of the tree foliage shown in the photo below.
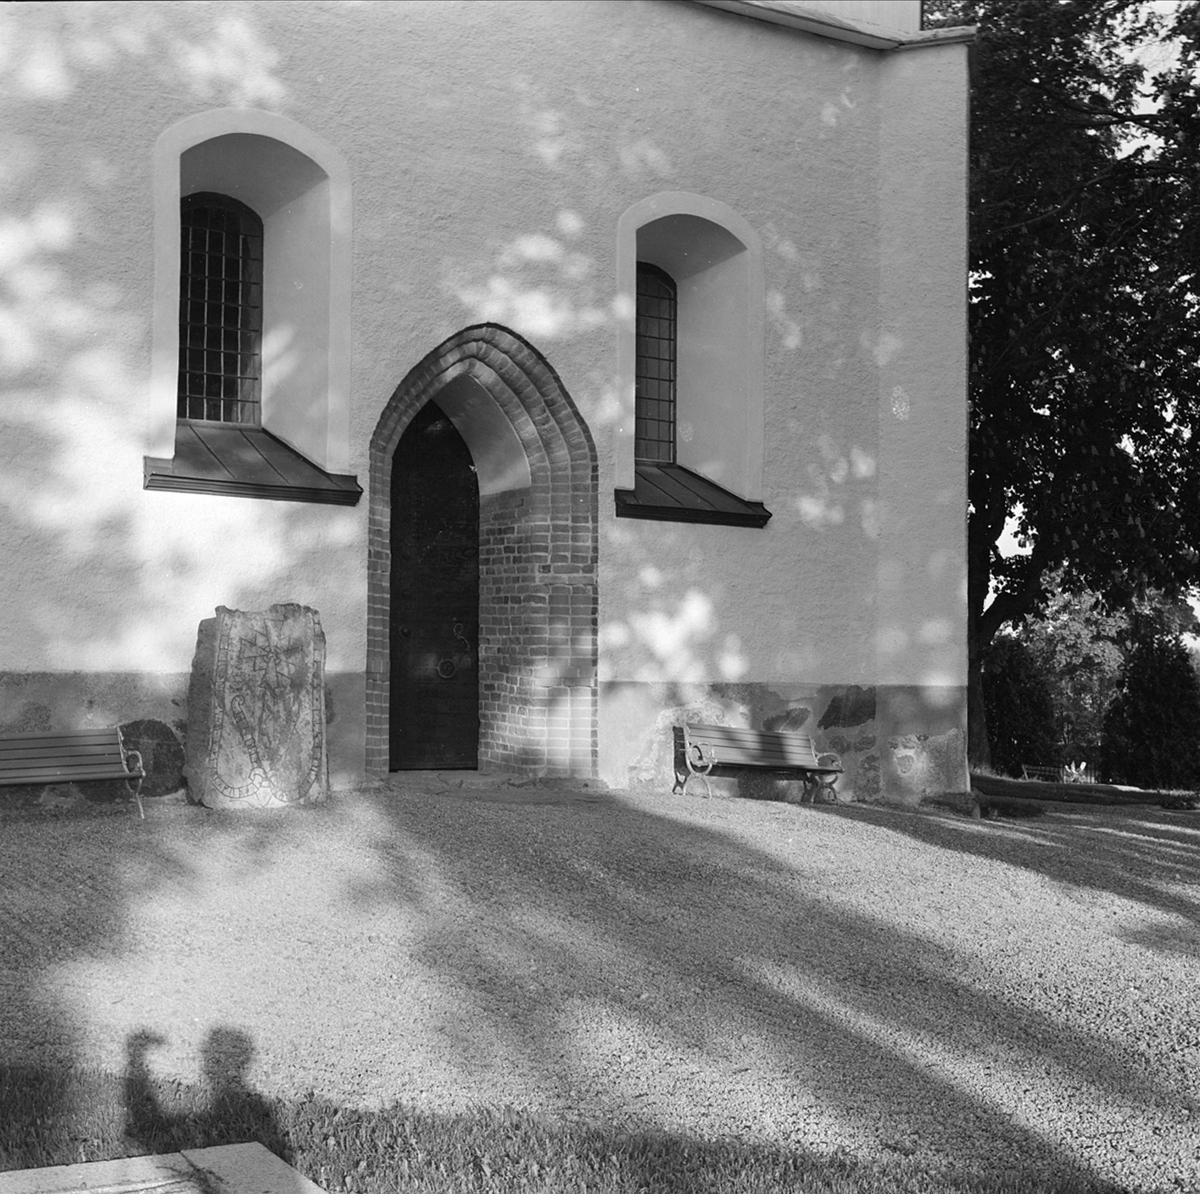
(1020, 707)
(1085, 335)
(1082, 652)
(1080, 647)
(1152, 728)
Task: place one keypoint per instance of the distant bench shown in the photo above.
(706, 747)
(1078, 773)
(71, 756)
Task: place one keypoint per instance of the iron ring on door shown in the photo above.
(447, 669)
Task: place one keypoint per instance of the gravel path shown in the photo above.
(1019, 994)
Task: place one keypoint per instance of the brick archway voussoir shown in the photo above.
(538, 713)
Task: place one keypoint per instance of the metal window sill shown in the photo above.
(672, 493)
(240, 461)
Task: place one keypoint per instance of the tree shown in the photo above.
(1020, 707)
(1080, 647)
(1152, 728)
(1085, 335)
(1083, 651)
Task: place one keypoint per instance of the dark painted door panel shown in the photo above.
(435, 598)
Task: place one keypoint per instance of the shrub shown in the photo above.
(1081, 644)
(1152, 727)
(1019, 706)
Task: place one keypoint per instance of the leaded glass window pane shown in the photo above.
(220, 310)
(654, 425)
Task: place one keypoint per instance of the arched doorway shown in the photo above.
(538, 547)
(434, 675)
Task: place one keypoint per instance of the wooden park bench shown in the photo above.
(71, 756)
(706, 747)
(1079, 773)
(1047, 774)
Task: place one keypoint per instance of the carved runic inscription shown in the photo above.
(260, 735)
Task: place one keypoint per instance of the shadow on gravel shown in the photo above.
(683, 944)
(226, 1109)
(63, 896)
(1143, 854)
(712, 971)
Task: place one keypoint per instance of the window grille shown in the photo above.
(654, 422)
(220, 310)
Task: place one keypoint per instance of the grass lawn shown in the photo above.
(69, 1117)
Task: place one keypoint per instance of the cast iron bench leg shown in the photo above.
(135, 783)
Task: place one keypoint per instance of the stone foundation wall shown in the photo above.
(152, 709)
(897, 743)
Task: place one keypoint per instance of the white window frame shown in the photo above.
(715, 258)
(300, 187)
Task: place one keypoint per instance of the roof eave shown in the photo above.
(790, 16)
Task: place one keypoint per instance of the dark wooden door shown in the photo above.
(435, 598)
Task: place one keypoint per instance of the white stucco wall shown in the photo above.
(921, 353)
(492, 149)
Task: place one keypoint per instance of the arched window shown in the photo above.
(220, 310)
(690, 363)
(655, 369)
(250, 389)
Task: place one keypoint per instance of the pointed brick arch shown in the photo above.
(538, 554)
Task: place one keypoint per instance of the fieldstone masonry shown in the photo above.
(865, 725)
(925, 765)
(162, 755)
(256, 710)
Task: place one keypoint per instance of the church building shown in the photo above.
(588, 367)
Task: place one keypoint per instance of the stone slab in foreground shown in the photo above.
(226, 1169)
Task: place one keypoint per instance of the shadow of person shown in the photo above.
(235, 1109)
(145, 1121)
(227, 1111)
